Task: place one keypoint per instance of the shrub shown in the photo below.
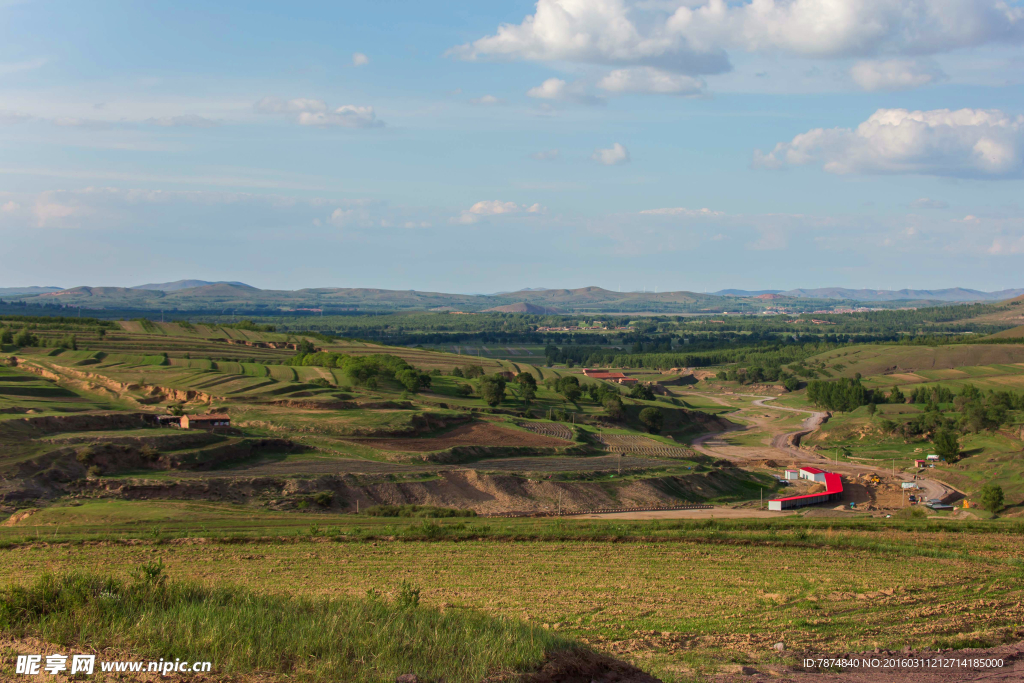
(324, 498)
(992, 497)
(95, 471)
(652, 419)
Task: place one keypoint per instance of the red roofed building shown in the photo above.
(609, 376)
(833, 491)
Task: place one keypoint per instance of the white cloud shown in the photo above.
(487, 100)
(613, 156)
(597, 32)
(186, 120)
(692, 37)
(895, 74)
(925, 203)
(359, 59)
(680, 211)
(848, 28)
(316, 113)
(9, 207)
(495, 207)
(551, 89)
(348, 116)
(978, 143)
(647, 79)
(545, 155)
(556, 89)
(50, 213)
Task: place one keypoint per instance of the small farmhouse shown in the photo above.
(207, 421)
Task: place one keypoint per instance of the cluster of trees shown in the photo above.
(757, 374)
(469, 372)
(366, 370)
(841, 396)
(22, 338)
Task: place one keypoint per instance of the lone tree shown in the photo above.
(492, 389)
(529, 386)
(947, 445)
(653, 419)
(992, 497)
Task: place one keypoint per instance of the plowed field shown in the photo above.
(476, 434)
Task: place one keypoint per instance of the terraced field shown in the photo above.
(641, 445)
(559, 431)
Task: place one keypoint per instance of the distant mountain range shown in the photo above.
(954, 294)
(200, 296)
(23, 291)
(186, 284)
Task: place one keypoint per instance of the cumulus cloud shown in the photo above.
(8, 207)
(556, 89)
(487, 100)
(600, 32)
(310, 112)
(545, 155)
(925, 203)
(647, 79)
(969, 143)
(693, 37)
(895, 74)
(495, 207)
(551, 89)
(848, 28)
(680, 211)
(613, 156)
(186, 120)
(359, 59)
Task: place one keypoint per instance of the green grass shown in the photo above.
(310, 638)
(729, 589)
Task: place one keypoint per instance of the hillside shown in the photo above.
(218, 296)
(185, 284)
(523, 307)
(985, 365)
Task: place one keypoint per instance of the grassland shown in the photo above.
(685, 598)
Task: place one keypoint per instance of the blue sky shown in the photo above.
(474, 147)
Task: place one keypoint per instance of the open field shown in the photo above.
(700, 599)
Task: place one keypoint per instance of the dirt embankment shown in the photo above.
(465, 489)
(72, 469)
(81, 422)
(90, 381)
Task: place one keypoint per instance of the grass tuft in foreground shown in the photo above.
(241, 631)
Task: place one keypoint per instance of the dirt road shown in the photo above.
(930, 488)
(714, 445)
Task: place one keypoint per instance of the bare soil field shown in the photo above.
(476, 434)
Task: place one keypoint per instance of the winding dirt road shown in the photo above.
(782, 443)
